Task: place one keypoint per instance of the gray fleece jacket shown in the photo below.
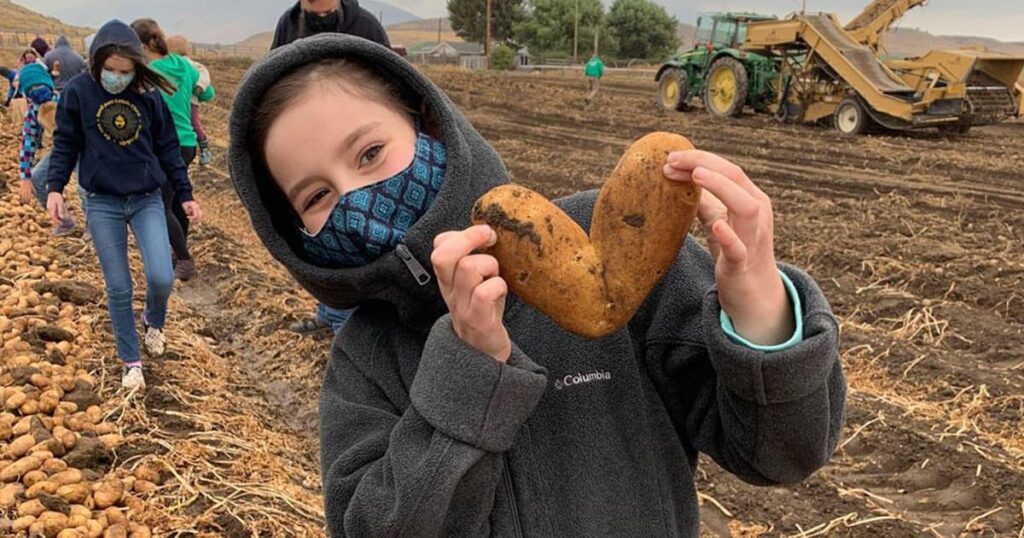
(421, 435)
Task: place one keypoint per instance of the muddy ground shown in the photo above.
(916, 240)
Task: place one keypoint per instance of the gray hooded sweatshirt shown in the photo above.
(421, 435)
(71, 63)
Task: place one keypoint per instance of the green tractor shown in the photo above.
(725, 77)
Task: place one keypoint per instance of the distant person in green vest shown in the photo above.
(185, 79)
(594, 71)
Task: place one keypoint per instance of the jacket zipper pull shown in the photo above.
(417, 270)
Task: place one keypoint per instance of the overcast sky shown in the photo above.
(1001, 19)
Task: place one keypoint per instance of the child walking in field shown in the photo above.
(449, 407)
(114, 123)
(180, 46)
(185, 80)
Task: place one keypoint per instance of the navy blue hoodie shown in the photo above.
(125, 144)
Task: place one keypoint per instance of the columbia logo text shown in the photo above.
(571, 380)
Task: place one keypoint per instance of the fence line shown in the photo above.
(23, 40)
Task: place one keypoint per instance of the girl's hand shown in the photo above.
(741, 239)
(193, 211)
(55, 207)
(474, 292)
(26, 192)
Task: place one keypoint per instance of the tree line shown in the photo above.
(631, 29)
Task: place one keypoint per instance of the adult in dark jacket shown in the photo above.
(304, 19)
(64, 63)
(424, 432)
(311, 17)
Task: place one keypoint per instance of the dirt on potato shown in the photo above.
(917, 240)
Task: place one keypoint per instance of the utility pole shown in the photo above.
(597, 33)
(486, 34)
(439, 19)
(804, 10)
(576, 35)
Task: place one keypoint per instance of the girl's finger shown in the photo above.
(691, 160)
(732, 247)
(471, 271)
(448, 253)
(487, 305)
(710, 208)
(676, 174)
(744, 209)
(441, 238)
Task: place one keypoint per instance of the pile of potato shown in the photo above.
(42, 437)
(55, 446)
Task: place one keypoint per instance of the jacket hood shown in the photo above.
(403, 278)
(62, 43)
(118, 33)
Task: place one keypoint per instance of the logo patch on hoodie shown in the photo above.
(119, 121)
(572, 380)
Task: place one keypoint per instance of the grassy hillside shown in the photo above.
(422, 30)
(911, 42)
(17, 19)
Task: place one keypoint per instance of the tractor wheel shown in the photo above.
(850, 118)
(674, 91)
(725, 91)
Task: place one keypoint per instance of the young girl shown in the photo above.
(115, 124)
(204, 88)
(185, 79)
(450, 408)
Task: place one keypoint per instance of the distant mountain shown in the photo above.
(422, 30)
(207, 21)
(908, 42)
(403, 33)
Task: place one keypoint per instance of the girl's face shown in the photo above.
(28, 59)
(332, 141)
(119, 65)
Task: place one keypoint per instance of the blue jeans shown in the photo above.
(109, 218)
(40, 173)
(332, 316)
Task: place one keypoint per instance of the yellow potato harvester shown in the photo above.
(828, 70)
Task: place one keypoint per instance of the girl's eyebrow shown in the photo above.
(354, 137)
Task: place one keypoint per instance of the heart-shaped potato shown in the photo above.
(592, 286)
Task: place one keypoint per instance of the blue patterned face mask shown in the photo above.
(373, 220)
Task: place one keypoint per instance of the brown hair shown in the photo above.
(145, 77)
(348, 74)
(151, 35)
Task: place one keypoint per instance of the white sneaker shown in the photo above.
(133, 379)
(156, 342)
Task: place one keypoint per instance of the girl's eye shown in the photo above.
(370, 155)
(315, 199)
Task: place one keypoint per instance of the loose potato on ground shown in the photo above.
(108, 493)
(592, 286)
